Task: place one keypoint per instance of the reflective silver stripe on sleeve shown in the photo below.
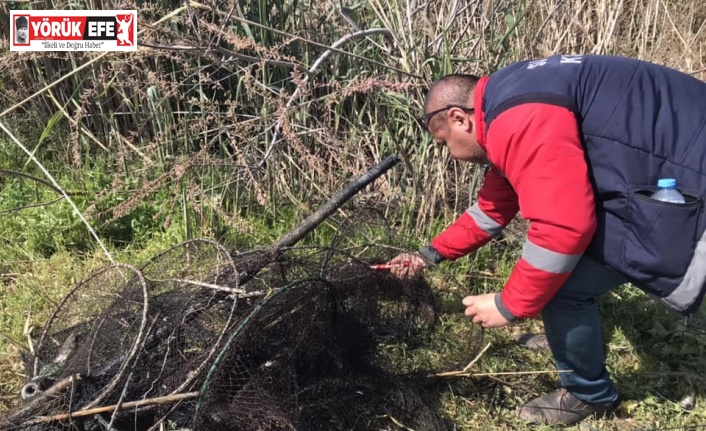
(693, 284)
(483, 220)
(547, 260)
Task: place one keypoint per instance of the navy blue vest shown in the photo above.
(639, 122)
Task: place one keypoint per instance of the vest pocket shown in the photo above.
(661, 236)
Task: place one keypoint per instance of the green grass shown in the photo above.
(654, 360)
(652, 357)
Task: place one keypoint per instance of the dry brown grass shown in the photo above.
(207, 79)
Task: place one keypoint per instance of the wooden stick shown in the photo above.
(107, 409)
(311, 222)
(208, 285)
(317, 217)
(502, 373)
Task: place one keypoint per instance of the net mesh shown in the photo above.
(203, 338)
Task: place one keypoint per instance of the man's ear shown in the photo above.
(456, 116)
(461, 117)
(471, 127)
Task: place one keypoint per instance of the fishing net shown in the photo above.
(205, 338)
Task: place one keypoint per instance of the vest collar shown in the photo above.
(478, 94)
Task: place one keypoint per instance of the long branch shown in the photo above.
(316, 218)
(107, 409)
(311, 222)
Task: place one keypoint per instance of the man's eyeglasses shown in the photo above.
(424, 119)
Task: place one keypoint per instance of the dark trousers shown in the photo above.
(573, 330)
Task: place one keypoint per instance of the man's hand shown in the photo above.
(483, 311)
(414, 266)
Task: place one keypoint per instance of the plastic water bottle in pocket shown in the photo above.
(668, 191)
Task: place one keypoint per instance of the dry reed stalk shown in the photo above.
(318, 44)
(319, 61)
(430, 38)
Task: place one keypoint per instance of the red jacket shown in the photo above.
(538, 168)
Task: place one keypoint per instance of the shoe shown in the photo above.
(533, 341)
(560, 407)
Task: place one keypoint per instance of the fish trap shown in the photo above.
(205, 338)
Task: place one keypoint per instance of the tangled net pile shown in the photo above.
(200, 338)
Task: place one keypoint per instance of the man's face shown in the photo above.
(455, 129)
(22, 33)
